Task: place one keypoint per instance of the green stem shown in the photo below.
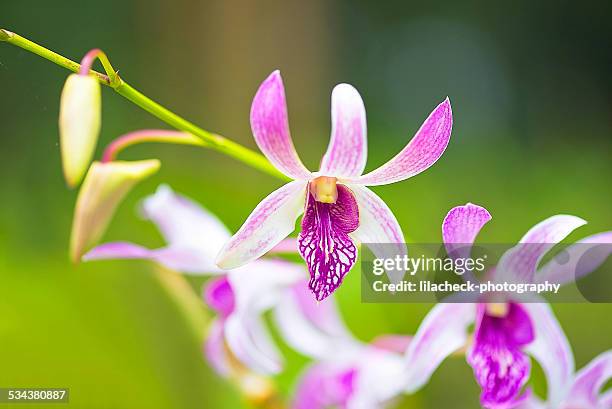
(211, 140)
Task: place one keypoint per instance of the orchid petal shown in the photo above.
(551, 349)
(378, 228)
(194, 235)
(256, 288)
(271, 221)
(584, 257)
(461, 226)
(442, 332)
(380, 377)
(422, 151)
(324, 385)
(248, 339)
(184, 260)
(347, 151)
(589, 381)
(270, 126)
(259, 285)
(214, 349)
(521, 261)
(312, 328)
(185, 223)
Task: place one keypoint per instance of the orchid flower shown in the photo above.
(504, 333)
(240, 297)
(585, 390)
(339, 210)
(346, 373)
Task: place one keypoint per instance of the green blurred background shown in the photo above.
(531, 92)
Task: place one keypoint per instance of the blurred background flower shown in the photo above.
(532, 106)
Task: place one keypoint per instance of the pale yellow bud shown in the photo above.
(79, 125)
(105, 185)
(324, 189)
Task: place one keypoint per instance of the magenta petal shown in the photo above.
(324, 241)
(323, 386)
(421, 152)
(219, 295)
(270, 127)
(500, 366)
(461, 226)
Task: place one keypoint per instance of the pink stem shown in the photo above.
(88, 60)
(136, 137)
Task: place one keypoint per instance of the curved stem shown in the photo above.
(148, 135)
(88, 60)
(211, 140)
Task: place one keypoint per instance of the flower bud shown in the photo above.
(79, 125)
(105, 185)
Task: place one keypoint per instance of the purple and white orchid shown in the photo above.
(506, 332)
(339, 210)
(347, 373)
(240, 297)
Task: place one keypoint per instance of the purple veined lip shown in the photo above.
(219, 295)
(324, 241)
(497, 358)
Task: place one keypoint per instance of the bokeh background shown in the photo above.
(531, 91)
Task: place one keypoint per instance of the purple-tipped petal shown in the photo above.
(422, 151)
(500, 366)
(551, 349)
(347, 151)
(271, 221)
(442, 332)
(270, 127)
(324, 241)
(584, 257)
(520, 262)
(378, 228)
(188, 261)
(215, 351)
(588, 383)
(312, 328)
(460, 228)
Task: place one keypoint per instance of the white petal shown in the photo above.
(312, 328)
(520, 262)
(271, 221)
(348, 147)
(378, 228)
(551, 349)
(249, 340)
(442, 332)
